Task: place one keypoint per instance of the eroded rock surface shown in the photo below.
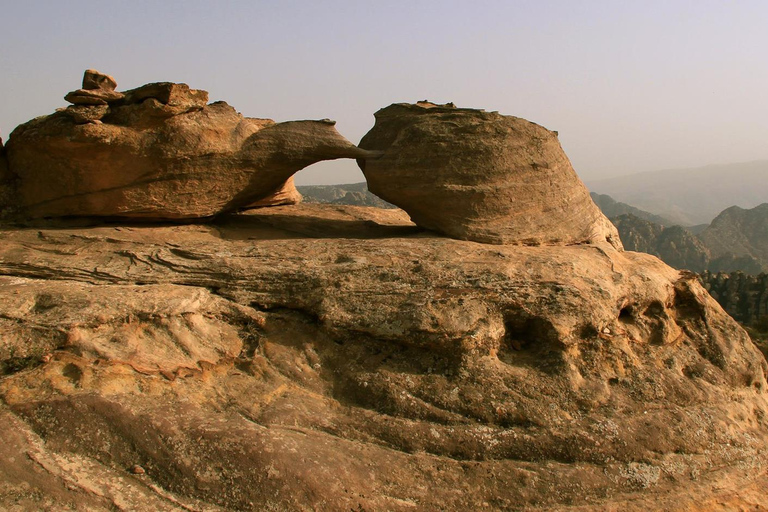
(481, 176)
(319, 357)
(160, 152)
(287, 194)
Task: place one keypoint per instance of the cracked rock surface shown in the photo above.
(318, 357)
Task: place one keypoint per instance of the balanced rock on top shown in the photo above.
(98, 89)
(480, 176)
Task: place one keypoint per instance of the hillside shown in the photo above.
(674, 245)
(740, 235)
(612, 208)
(690, 196)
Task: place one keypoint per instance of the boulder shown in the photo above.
(481, 176)
(92, 97)
(98, 89)
(93, 79)
(168, 93)
(161, 153)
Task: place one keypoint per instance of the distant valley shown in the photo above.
(690, 196)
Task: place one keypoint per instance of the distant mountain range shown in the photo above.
(353, 194)
(612, 208)
(690, 196)
(737, 240)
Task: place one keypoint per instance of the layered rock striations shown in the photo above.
(318, 357)
(159, 152)
(481, 176)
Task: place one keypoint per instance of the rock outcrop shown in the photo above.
(159, 152)
(98, 90)
(318, 357)
(481, 176)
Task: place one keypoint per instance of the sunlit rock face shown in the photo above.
(318, 357)
(481, 176)
(160, 152)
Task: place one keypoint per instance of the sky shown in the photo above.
(629, 86)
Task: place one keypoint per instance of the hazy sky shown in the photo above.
(630, 86)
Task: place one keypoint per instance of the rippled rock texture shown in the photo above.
(318, 357)
(482, 176)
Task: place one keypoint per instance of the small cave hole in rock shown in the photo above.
(73, 373)
(626, 315)
(525, 332)
(654, 310)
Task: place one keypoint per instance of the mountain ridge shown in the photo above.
(690, 196)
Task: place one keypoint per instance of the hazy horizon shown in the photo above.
(630, 88)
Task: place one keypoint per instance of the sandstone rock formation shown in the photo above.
(318, 357)
(98, 89)
(481, 176)
(160, 152)
(287, 194)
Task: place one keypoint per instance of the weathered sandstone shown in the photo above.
(82, 114)
(93, 79)
(168, 93)
(161, 153)
(92, 97)
(287, 194)
(318, 357)
(98, 90)
(481, 176)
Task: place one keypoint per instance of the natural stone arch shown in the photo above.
(159, 152)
